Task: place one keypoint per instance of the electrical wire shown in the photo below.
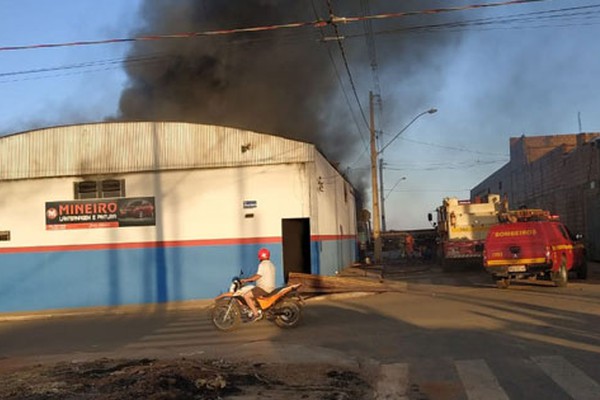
(85, 67)
(432, 191)
(358, 130)
(440, 167)
(346, 65)
(333, 21)
(436, 166)
(583, 11)
(450, 147)
(535, 16)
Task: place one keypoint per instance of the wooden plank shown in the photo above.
(336, 284)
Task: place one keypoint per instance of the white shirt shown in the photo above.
(266, 270)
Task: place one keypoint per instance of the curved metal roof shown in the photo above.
(120, 147)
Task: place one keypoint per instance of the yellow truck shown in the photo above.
(461, 228)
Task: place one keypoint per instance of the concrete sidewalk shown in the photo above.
(147, 309)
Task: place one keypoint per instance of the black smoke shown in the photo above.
(280, 82)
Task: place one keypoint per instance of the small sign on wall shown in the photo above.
(100, 213)
(250, 204)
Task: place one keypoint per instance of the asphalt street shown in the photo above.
(446, 336)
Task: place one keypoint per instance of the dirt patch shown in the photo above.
(182, 379)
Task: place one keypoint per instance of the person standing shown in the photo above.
(409, 245)
(264, 280)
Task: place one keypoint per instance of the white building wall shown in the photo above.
(209, 203)
(335, 214)
(191, 205)
(203, 235)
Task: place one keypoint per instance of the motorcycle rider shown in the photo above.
(264, 279)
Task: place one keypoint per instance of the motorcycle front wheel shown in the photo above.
(225, 315)
(288, 314)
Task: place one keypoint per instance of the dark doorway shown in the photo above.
(296, 245)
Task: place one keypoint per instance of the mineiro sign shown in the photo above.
(100, 213)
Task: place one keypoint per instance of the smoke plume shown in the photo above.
(286, 82)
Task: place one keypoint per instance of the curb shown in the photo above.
(116, 310)
(340, 296)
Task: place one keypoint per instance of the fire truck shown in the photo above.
(533, 244)
(461, 228)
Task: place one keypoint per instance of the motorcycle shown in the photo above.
(283, 306)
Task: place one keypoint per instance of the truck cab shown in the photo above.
(532, 244)
(462, 226)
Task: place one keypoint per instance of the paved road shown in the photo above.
(447, 336)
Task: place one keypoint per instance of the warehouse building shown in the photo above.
(559, 173)
(122, 213)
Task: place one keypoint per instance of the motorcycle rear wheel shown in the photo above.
(288, 314)
(225, 315)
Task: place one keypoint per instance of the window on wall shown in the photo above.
(100, 189)
(5, 235)
(113, 188)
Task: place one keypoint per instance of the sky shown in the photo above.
(492, 73)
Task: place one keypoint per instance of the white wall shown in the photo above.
(335, 201)
(334, 219)
(191, 204)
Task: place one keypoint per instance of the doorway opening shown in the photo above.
(296, 246)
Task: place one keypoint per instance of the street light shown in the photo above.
(430, 111)
(383, 196)
(394, 187)
(379, 153)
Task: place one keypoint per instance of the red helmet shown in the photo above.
(264, 254)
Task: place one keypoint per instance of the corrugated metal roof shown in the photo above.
(118, 147)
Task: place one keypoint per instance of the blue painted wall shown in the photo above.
(70, 279)
(91, 278)
(335, 255)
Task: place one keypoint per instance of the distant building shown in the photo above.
(151, 212)
(560, 173)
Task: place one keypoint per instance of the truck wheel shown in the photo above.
(582, 270)
(561, 276)
(502, 283)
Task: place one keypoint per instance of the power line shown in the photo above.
(584, 11)
(432, 190)
(440, 167)
(333, 21)
(112, 63)
(358, 130)
(504, 20)
(346, 65)
(451, 147)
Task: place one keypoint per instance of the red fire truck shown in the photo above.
(462, 226)
(533, 243)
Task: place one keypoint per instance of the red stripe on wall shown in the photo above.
(166, 243)
(141, 245)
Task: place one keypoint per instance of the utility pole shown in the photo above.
(382, 194)
(375, 194)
